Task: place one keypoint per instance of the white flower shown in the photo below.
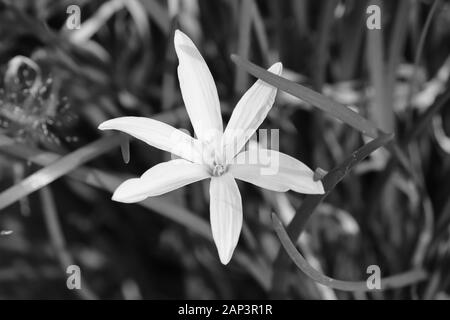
(214, 154)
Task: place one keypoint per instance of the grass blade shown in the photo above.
(261, 35)
(92, 25)
(109, 182)
(323, 41)
(311, 202)
(245, 24)
(330, 180)
(353, 31)
(380, 111)
(158, 14)
(396, 281)
(106, 181)
(337, 110)
(57, 169)
(419, 127)
(420, 47)
(58, 240)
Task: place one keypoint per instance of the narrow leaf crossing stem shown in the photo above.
(396, 281)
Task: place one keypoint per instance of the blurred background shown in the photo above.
(57, 83)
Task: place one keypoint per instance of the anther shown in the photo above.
(218, 170)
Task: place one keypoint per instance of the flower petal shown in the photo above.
(157, 134)
(160, 179)
(249, 113)
(225, 215)
(275, 171)
(198, 89)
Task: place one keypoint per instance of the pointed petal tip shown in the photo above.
(313, 187)
(102, 126)
(126, 192)
(181, 38)
(225, 259)
(225, 215)
(178, 33)
(320, 188)
(118, 196)
(114, 197)
(225, 254)
(276, 68)
(108, 124)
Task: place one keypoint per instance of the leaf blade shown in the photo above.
(318, 100)
(302, 214)
(57, 169)
(395, 281)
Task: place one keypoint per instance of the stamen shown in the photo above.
(218, 170)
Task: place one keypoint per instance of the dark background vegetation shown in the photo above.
(122, 62)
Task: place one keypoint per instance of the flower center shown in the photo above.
(218, 170)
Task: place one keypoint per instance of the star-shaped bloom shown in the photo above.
(215, 154)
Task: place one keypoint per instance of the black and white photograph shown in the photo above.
(244, 151)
